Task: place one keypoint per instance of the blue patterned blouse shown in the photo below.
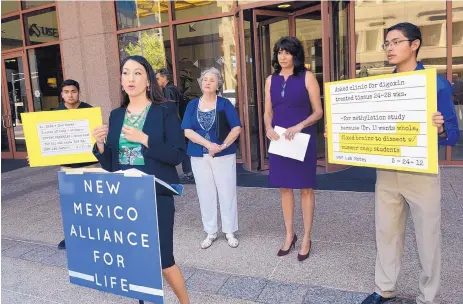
(206, 120)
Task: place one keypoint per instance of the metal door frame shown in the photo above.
(6, 118)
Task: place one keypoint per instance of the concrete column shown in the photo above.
(89, 50)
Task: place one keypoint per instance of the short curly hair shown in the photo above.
(215, 72)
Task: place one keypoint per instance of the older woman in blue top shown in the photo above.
(145, 134)
(213, 156)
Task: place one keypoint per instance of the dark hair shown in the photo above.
(166, 73)
(70, 82)
(409, 30)
(154, 94)
(294, 47)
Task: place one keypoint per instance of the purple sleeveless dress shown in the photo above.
(288, 111)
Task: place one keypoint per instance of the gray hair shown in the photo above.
(215, 72)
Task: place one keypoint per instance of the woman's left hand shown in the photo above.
(135, 135)
(291, 132)
(438, 121)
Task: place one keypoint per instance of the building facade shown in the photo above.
(44, 42)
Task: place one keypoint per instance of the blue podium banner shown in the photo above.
(111, 231)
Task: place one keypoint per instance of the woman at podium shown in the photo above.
(145, 134)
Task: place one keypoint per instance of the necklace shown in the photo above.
(203, 102)
(135, 119)
(209, 113)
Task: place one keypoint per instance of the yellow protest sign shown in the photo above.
(60, 137)
(383, 121)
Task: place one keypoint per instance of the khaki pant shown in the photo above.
(396, 194)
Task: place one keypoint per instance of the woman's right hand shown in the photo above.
(272, 135)
(100, 133)
(214, 149)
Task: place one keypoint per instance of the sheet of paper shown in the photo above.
(60, 137)
(383, 121)
(294, 149)
(64, 137)
(177, 189)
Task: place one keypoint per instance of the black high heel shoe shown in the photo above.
(282, 252)
(302, 257)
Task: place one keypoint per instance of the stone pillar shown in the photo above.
(89, 51)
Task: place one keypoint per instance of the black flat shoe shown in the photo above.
(375, 298)
(282, 252)
(302, 257)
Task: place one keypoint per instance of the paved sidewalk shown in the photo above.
(339, 270)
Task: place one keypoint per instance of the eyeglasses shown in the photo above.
(394, 43)
(283, 89)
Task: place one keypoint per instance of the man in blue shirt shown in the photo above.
(397, 192)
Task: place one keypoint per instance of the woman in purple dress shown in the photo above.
(292, 101)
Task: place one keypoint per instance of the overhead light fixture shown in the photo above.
(284, 5)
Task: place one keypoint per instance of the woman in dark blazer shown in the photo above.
(145, 134)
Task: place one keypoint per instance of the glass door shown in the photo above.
(271, 26)
(15, 100)
(309, 28)
(6, 144)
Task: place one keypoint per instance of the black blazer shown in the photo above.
(166, 143)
